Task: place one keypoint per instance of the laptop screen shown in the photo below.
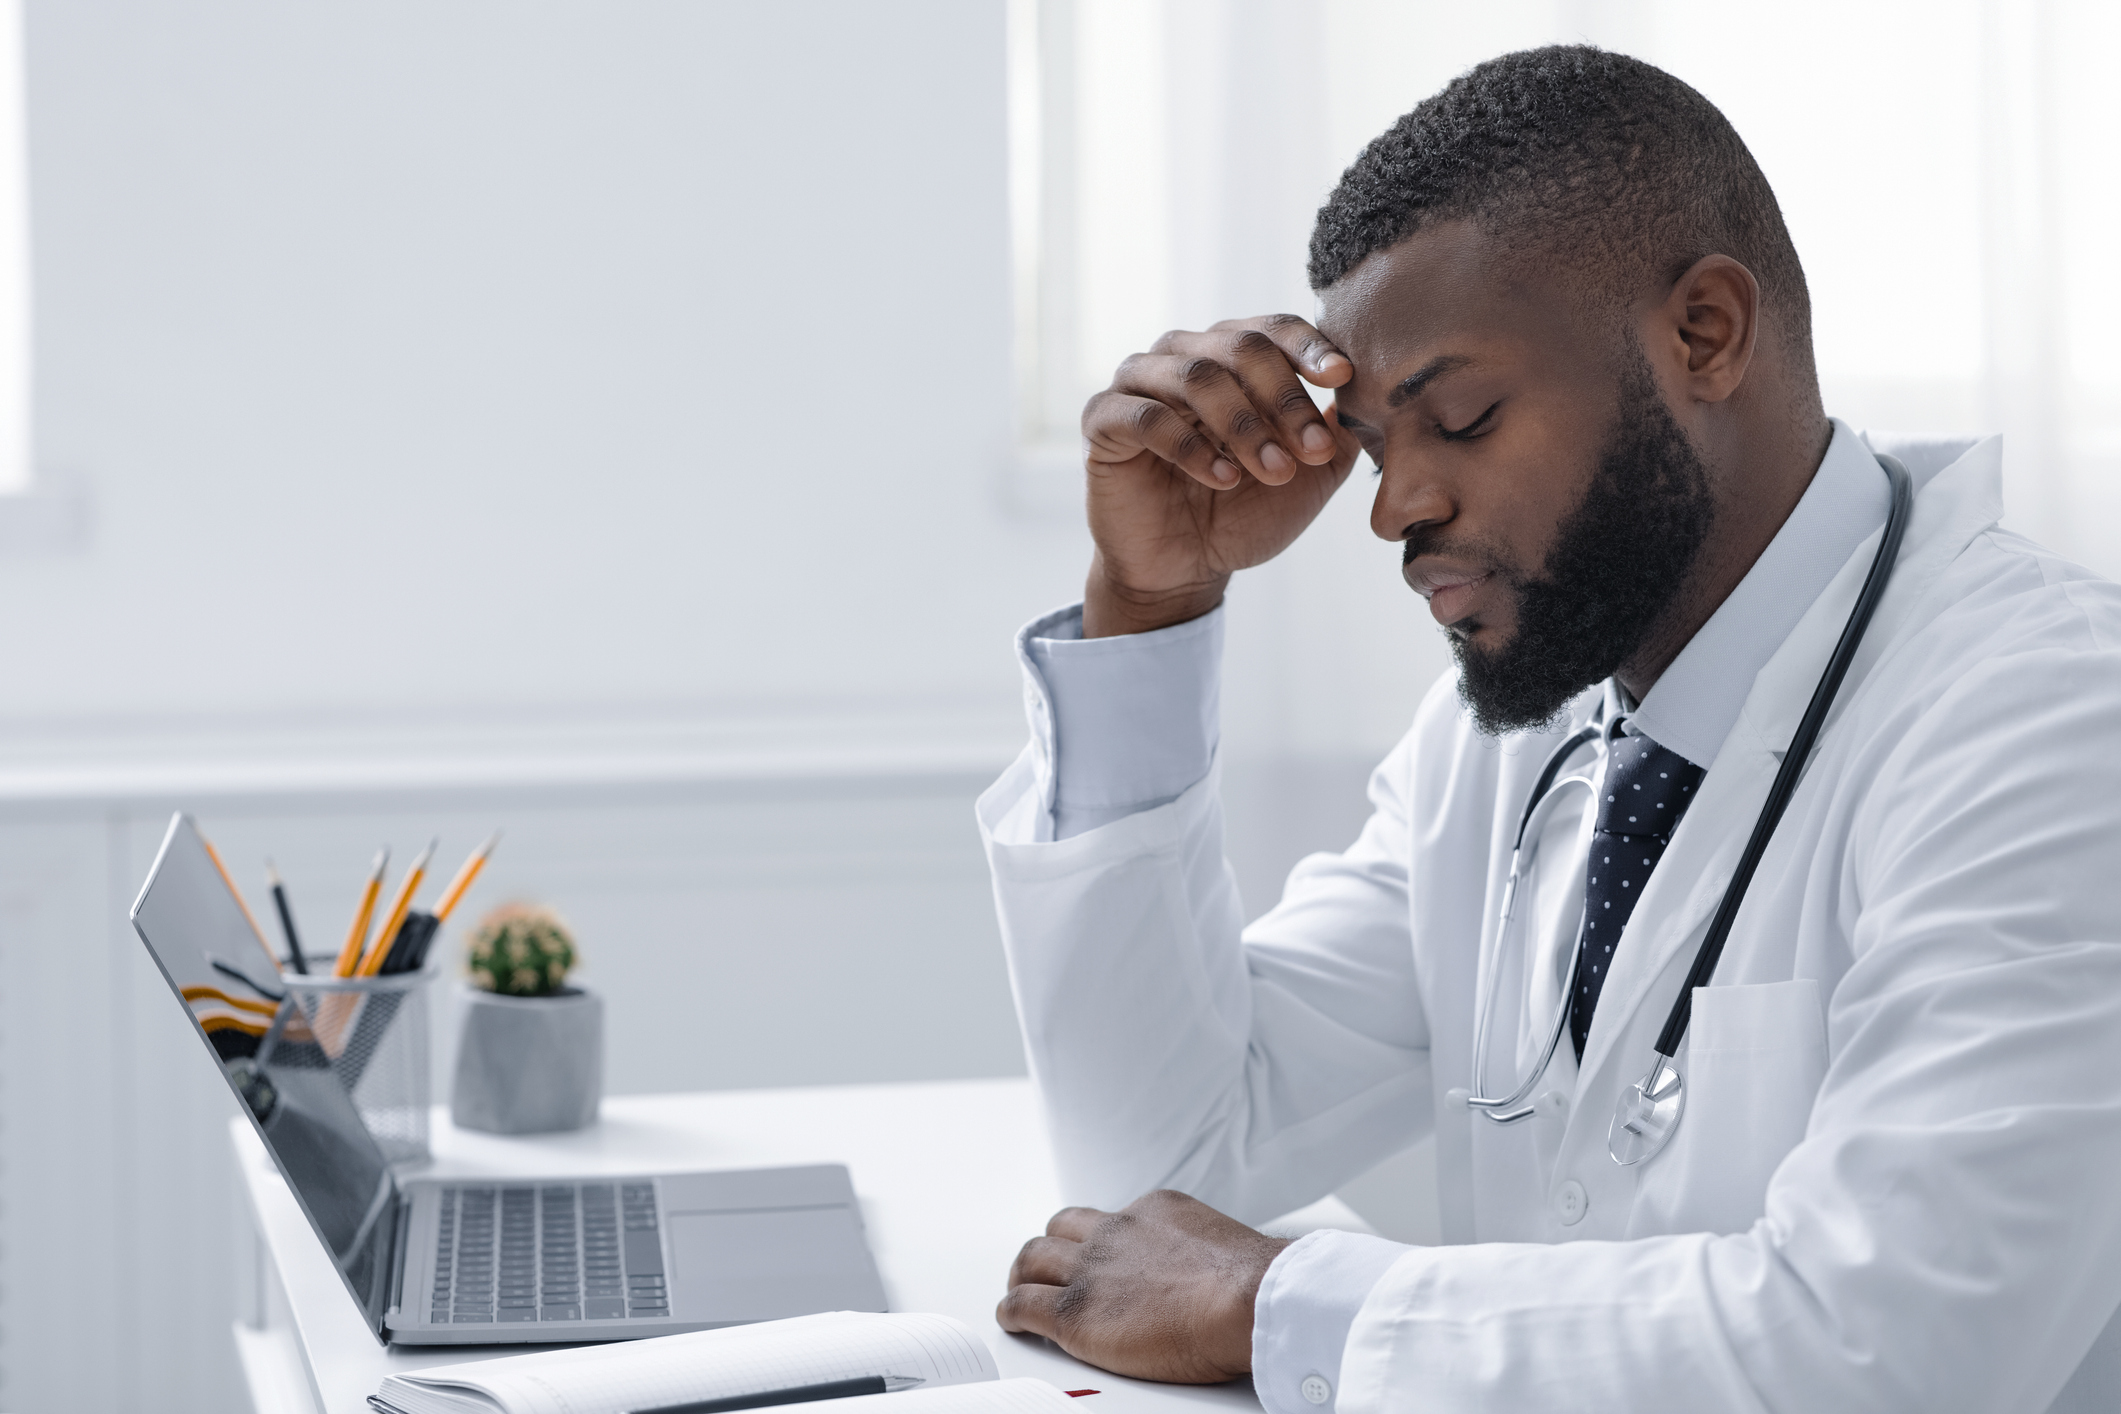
(227, 980)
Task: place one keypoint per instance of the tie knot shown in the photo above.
(1647, 788)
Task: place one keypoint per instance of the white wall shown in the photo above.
(491, 355)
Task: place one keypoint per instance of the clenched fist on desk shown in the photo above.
(1161, 1290)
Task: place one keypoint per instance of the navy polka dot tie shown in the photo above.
(1647, 789)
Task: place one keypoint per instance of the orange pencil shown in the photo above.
(379, 951)
(255, 930)
(350, 955)
(462, 883)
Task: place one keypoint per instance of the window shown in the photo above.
(1088, 197)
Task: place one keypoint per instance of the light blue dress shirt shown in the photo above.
(1126, 724)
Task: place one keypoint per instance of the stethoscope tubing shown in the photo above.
(1507, 1108)
(1556, 759)
(1786, 777)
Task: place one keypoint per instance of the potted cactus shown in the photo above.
(530, 1054)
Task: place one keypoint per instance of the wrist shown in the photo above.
(1235, 1354)
(1111, 609)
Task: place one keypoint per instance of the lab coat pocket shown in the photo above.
(1755, 1058)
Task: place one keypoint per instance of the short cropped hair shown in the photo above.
(1603, 163)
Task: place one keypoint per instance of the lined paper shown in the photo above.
(677, 1369)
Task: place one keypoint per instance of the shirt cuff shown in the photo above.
(1306, 1305)
(1119, 725)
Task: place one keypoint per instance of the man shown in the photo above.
(1562, 314)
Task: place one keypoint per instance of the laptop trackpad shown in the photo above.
(761, 1265)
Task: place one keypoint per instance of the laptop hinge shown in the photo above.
(398, 1246)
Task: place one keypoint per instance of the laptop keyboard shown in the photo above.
(551, 1252)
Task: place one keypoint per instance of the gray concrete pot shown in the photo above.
(528, 1065)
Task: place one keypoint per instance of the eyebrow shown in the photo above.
(1410, 387)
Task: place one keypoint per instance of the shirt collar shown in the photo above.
(1693, 706)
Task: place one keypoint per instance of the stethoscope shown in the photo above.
(1649, 1112)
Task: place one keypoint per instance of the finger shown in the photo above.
(1346, 445)
(1120, 426)
(1203, 385)
(1314, 355)
(1031, 1308)
(1270, 380)
(1075, 1224)
(1047, 1260)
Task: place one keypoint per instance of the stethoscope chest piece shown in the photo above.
(1647, 1114)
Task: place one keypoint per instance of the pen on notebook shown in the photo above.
(287, 920)
(372, 961)
(462, 882)
(350, 955)
(794, 1394)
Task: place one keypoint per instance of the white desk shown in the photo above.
(952, 1176)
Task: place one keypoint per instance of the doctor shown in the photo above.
(1563, 316)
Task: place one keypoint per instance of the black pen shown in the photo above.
(797, 1394)
(287, 920)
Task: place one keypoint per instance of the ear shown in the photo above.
(1710, 322)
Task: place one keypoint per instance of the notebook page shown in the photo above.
(677, 1369)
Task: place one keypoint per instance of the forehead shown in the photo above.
(1448, 291)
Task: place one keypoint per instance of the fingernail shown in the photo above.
(1274, 459)
(1316, 439)
(1333, 363)
(1224, 472)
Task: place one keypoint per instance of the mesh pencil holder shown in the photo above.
(372, 1032)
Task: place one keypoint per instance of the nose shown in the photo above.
(1409, 496)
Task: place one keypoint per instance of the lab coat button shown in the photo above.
(1316, 1389)
(1571, 1203)
(1553, 1105)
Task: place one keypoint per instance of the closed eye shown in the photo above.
(1472, 429)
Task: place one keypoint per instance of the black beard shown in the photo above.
(1618, 563)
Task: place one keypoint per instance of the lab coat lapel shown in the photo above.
(1957, 503)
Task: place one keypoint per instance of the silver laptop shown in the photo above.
(433, 1261)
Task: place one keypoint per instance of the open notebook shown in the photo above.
(955, 1372)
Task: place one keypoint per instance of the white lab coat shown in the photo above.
(1897, 1184)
